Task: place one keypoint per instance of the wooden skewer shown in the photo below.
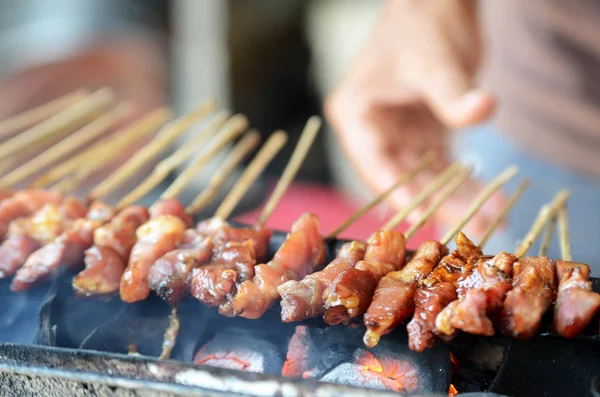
(547, 238)
(38, 114)
(509, 205)
(434, 186)
(406, 177)
(233, 159)
(163, 139)
(293, 166)
(480, 199)
(103, 157)
(448, 191)
(77, 114)
(138, 129)
(229, 132)
(251, 173)
(169, 164)
(69, 144)
(170, 335)
(544, 215)
(563, 233)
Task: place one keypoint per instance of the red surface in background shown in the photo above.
(332, 207)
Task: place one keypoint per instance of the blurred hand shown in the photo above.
(412, 81)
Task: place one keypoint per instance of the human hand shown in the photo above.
(414, 80)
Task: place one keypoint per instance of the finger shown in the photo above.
(452, 95)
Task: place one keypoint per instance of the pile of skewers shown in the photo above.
(133, 250)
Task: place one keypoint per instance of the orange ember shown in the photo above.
(238, 362)
(452, 391)
(453, 360)
(397, 375)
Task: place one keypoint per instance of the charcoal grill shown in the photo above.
(81, 349)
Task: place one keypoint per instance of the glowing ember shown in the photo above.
(240, 360)
(397, 375)
(452, 391)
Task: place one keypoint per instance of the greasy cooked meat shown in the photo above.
(24, 203)
(576, 303)
(437, 290)
(64, 251)
(230, 264)
(304, 299)
(351, 292)
(106, 260)
(222, 232)
(534, 288)
(171, 207)
(393, 298)
(26, 235)
(154, 239)
(102, 274)
(169, 275)
(301, 252)
(481, 295)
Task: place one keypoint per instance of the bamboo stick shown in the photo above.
(544, 215)
(69, 144)
(142, 127)
(291, 170)
(161, 141)
(77, 114)
(547, 238)
(509, 205)
(251, 173)
(228, 133)
(448, 191)
(480, 199)
(434, 186)
(563, 233)
(241, 150)
(169, 164)
(37, 114)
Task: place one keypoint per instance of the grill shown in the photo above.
(82, 344)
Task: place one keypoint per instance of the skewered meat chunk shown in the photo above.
(107, 259)
(231, 263)
(576, 303)
(6, 193)
(24, 203)
(161, 234)
(481, 294)
(534, 287)
(169, 275)
(64, 251)
(223, 232)
(301, 252)
(351, 292)
(305, 298)
(437, 290)
(393, 298)
(26, 235)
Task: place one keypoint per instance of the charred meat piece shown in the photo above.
(534, 288)
(304, 299)
(437, 290)
(231, 263)
(169, 275)
(481, 295)
(24, 203)
(107, 259)
(301, 252)
(64, 251)
(393, 298)
(26, 235)
(222, 232)
(161, 234)
(576, 303)
(351, 292)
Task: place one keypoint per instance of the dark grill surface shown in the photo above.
(80, 348)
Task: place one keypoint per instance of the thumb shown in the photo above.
(453, 98)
